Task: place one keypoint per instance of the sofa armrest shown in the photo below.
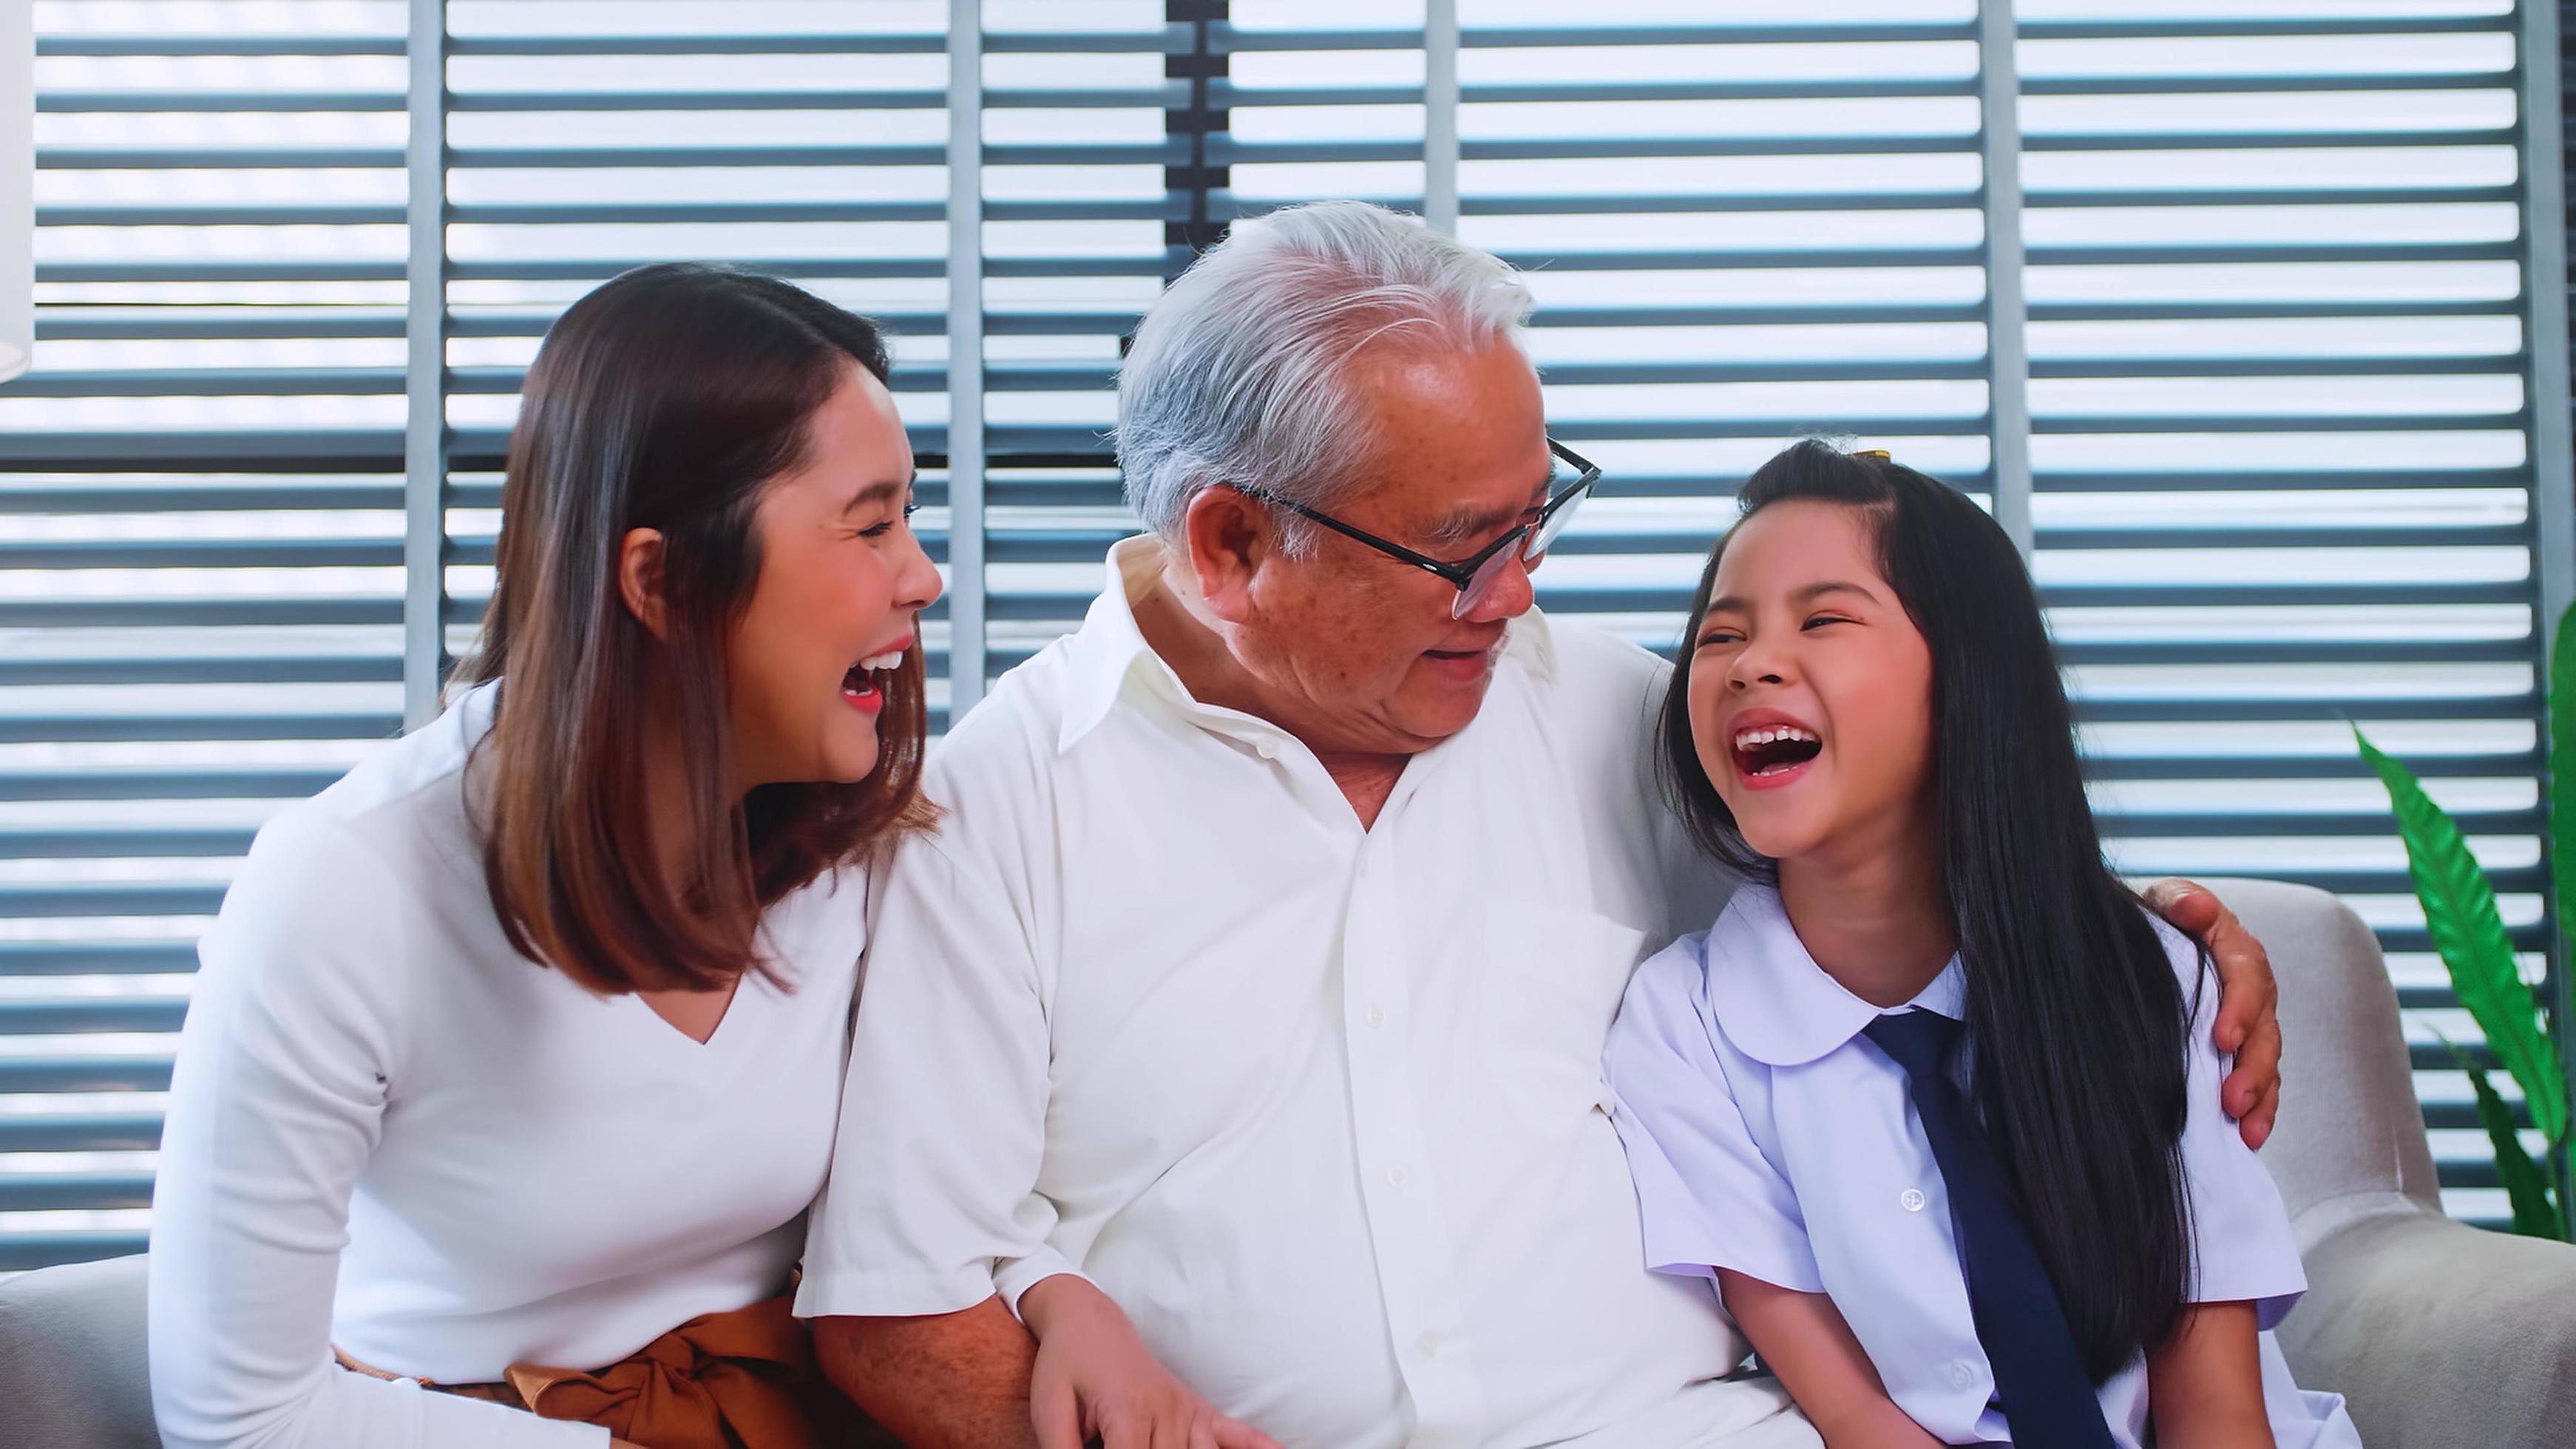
(72, 1371)
(2439, 1334)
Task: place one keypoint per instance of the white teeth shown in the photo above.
(882, 662)
(1746, 739)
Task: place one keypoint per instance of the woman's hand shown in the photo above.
(2247, 996)
(1095, 1381)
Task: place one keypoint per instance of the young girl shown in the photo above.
(1934, 1102)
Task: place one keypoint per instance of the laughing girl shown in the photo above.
(1935, 1102)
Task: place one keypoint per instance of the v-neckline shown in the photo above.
(724, 1018)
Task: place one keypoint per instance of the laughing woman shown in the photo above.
(515, 1056)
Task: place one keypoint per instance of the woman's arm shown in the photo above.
(1803, 1339)
(2205, 1382)
(275, 1107)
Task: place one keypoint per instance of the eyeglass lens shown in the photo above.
(1530, 553)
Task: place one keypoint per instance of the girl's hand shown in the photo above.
(1881, 1425)
(1803, 1339)
(1096, 1381)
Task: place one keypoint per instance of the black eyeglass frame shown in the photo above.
(1462, 572)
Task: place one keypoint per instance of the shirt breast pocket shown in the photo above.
(1548, 983)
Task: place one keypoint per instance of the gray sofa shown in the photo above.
(2443, 1337)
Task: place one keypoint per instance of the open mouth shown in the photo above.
(1774, 751)
(863, 685)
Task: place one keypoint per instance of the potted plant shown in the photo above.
(2468, 932)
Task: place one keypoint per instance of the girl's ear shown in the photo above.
(639, 579)
(1228, 538)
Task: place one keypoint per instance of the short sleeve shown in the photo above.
(2243, 1250)
(943, 1112)
(1707, 1197)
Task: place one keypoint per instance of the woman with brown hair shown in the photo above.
(515, 1056)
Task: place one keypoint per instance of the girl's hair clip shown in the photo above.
(1872, 453)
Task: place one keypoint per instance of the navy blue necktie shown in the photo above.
(2047, 1397)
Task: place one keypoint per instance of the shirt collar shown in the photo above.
(1106, 649)
(1109, 649)
(1775, 1004)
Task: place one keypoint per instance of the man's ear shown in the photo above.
(639, 579)
(1229, 537)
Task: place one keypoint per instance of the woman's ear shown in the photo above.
(1228, 537)
(639, 579)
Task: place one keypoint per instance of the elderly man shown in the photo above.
(1261, 967)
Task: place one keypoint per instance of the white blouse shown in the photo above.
(1767, 1136)
(390, 1133)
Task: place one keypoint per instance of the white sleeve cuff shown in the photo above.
(1016, 1276)
(448, 1419)
(851, 1293)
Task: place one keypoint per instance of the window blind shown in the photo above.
(202, 484)
(2282, 456)
(2223, 306)
(804, 138)
(1742, 224)
(1100, 137)
(200, 538)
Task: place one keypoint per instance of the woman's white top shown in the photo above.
(1768, 1136)
(391, 1133)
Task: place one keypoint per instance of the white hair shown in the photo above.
(1241, 372)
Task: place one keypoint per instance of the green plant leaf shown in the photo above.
(2562, 769)
(2460, 911)
(2525, 1186)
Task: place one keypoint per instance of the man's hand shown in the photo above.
(1095, 1380)
(2247, 1001)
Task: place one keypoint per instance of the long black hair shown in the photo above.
(2075, 1020)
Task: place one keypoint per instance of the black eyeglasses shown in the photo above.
(1473, 576)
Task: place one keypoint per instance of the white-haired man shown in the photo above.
(1260, 970)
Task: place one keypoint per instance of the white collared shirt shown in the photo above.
(1319, 1106)
(1769, 1137)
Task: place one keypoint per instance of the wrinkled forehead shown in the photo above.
(1455, 442)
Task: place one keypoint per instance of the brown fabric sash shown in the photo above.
(738, 1380)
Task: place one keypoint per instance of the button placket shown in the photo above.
(1416, 1259)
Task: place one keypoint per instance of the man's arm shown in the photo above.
(2247, 1000)
(942, 1135)
(941, 1381)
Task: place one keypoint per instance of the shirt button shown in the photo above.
(1377, 1016)
(1429, 1343)
(1266, 750)
(1395, 1176)
(1911, 1199)
(1960, 1374)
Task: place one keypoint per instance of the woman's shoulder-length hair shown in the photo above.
(666, 399)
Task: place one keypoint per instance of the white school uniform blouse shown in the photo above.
(1319, 1106)
(390, 1132)
(1769, 1137)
